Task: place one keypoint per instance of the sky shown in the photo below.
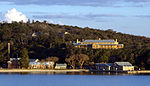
(126, 16)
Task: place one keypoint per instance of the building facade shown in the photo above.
(117, 66)
(36, 64)
(98, 44)
(103, 66)
(14, 63)
(123, 66)
(60, 66)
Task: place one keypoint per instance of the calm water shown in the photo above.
(73, 79)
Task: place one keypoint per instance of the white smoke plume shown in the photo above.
(14, 15)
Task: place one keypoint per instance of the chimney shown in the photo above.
(8, 56)
(77, 41)
(116, 40)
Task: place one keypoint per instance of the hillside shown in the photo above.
(44, 40)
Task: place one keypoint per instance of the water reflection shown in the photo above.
(69, 73)
(72, 79)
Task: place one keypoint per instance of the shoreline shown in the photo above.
(69, 70)
(139, 72)
(42, 70)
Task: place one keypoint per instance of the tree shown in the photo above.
(42, 61)
(48, 40)
(82, 58)
(104, 58)
(54, 59)
(48, 59)
(71, 61)
(131, 58)
(24, 58)
(3, 55)
(77, 58)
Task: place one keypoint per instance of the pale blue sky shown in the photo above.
(126, 16)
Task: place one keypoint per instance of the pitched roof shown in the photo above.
(39, 63)
(33, 60)
(61, 64)
(99, 41)
(123, 63)
(14, 59)
(104, 64)
(34, 63)
(106, 44)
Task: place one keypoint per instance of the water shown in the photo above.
(73, 79)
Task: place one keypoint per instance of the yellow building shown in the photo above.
(97, 44)
(123, 66)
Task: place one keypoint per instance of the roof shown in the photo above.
(98, 44)
(61, 64)
(39, 63)
(99, 41)
(104, 64)
(106, 44)
(33, 60)
(48, 63)
(14, 59)
(123, 63)
(84, 44)
(110, 64)
(34, 63)
(120, 44)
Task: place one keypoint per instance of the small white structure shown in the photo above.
(61, 66)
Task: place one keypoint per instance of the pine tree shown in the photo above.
(24, 58)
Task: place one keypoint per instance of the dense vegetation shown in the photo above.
(41, 40)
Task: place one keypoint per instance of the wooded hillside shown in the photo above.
(44, 40)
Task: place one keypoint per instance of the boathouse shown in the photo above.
(103, 66)
(122, 66)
